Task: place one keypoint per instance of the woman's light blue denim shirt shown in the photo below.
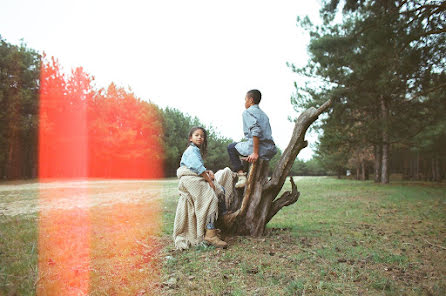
(192, 159)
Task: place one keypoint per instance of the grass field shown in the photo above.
(342, 237)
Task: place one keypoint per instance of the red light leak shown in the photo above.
(101, 134)
(64, 252)
(86, 133)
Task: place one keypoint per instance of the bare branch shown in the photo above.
(286, 199)
(433, 7)
(432, 32)
(296, 144)
(247, 195)
(230, 218)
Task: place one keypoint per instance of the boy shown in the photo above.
(257, 130)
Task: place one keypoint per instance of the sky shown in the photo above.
(200, 57)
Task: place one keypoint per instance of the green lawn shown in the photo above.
(342, 237)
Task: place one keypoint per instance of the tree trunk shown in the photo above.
(14, 164)
(406, 170)
(437, 169)
(250, 212)
(363, 168)
(385, 145)
(417, 167)
(339, 173)
(426, 170)
(385, 164)
(434, 169)
(414, 169)
(378, 162)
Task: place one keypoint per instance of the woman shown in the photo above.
(202, 196)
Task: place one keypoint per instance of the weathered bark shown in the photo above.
(252, 210)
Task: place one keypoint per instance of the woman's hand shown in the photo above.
(207, 176)
(212, 185)
(211, 174)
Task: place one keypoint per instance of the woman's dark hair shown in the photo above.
(204, 146)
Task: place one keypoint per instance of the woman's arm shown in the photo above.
(192, 160)
(211, 174)
(208, 179)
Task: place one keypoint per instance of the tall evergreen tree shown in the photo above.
(19, 92)
(378, 65)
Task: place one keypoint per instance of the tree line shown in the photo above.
(383, 66)
(55, 125)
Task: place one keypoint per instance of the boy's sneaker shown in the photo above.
(241, 180)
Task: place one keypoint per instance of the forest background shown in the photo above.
(124, 128)
(383, 66)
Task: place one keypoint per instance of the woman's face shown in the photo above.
(197, 137)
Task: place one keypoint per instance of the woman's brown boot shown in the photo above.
(212, 238)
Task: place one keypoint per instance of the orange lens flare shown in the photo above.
(91, 230)
(64, 246)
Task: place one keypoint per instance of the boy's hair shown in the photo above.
(204, 146)
(255, 94)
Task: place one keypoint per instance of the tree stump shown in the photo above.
(253, 208)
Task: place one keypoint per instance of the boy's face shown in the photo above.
(248, 102)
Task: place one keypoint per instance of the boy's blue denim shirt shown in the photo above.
(256, 124)
(192, 159)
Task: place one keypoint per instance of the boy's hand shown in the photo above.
(253, 157)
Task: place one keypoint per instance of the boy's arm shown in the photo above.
(255, 154)
(250, 122)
